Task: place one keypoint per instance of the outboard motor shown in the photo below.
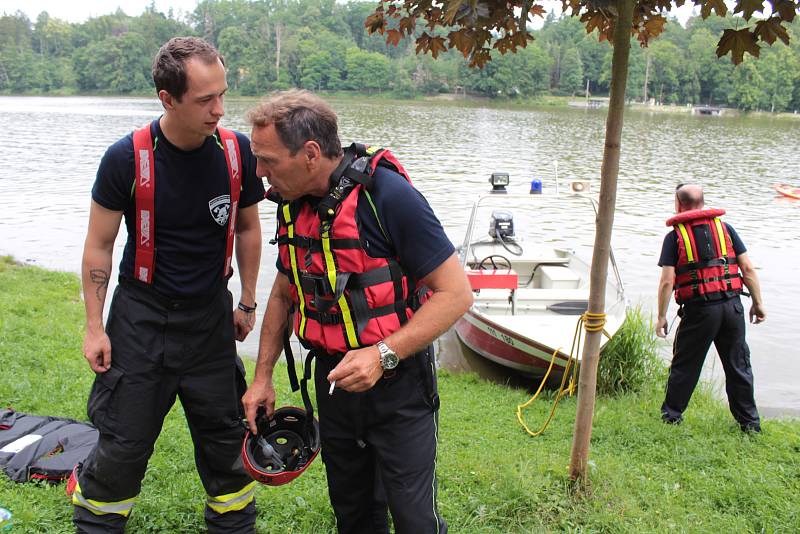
(501, 225)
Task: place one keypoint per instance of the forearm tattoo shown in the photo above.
(100, 278)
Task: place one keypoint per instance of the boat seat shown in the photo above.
(550, 295)
(558, 277)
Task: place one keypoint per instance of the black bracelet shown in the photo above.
(247, 309)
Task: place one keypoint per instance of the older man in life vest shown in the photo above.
(706, 264)
(369, 279)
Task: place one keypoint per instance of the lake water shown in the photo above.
(53, 146)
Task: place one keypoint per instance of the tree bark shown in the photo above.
(646, 76)
(278, 35)
(602, 240)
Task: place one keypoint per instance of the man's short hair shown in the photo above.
(169, 66)
(688, 197)
(299, 116)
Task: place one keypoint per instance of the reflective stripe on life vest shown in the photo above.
(232, 502)
(144, 191)
(330, 272)
(122, 508)
(289, 222)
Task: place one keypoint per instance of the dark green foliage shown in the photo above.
(629, 363)
(322, 45)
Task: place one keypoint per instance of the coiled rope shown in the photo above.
(590, 322)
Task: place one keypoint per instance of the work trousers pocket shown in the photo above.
(101, 397)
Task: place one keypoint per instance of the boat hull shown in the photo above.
(787, 190)
(506, 347)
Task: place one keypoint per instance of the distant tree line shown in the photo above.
(322, 45)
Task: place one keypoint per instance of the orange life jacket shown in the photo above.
(707, 269)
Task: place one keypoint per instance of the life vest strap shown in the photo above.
(289, 355)
(717, 262)
(723, 278)
(711, 297)
(145, 185)
(336, 318)
(315, 245)
(233, 158)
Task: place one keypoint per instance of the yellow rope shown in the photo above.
(591, 322)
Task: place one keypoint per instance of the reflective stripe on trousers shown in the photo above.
(232, 502)
(122, 508)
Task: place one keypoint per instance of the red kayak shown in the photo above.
(787, 190)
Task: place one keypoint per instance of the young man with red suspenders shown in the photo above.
(189, 194)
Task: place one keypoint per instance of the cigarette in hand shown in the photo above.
(333, 385)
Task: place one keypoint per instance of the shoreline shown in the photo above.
(463, 100)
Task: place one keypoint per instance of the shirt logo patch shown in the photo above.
(220, 208)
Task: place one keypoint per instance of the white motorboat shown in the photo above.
(530, 292)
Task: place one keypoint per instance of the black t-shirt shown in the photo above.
(416, 236)
(669, 250)
(190, 227)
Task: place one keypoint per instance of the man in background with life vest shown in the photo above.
(705, 262)
(357, 244)
(186, 190)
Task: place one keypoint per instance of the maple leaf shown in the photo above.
(748, 7)
(479, 58)
(594, 21)
(785, 8)
(407, 25)
(655, 26)
(423, 42)
(393, 37)
(737, 42)
(771, 29)
(718, 6)
(462, 40)
(437, 46)
(537, 10)
(375, 23)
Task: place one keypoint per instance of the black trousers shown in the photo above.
(162, 349)
(379, 449)
(724, 325)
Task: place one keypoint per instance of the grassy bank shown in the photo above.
(702, 476)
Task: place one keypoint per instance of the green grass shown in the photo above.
(702, 476)
(630, 361)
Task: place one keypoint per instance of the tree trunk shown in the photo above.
(646, 76)
(602, 240)
(278, 31)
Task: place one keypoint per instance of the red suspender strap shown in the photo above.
(145, 204)
(230, 146)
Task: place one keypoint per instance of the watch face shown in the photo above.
(389, 360)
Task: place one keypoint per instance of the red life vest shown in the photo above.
(145, 192)
(343, 298)
(707, 269)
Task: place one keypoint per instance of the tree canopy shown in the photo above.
(476, 28)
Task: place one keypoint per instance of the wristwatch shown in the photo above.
(389, 359)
